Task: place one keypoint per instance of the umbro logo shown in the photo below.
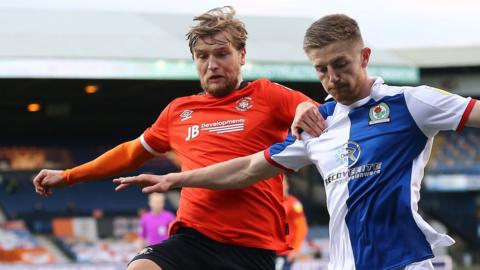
(185, 115)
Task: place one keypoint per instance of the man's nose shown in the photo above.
(212, 63)
(332, 75)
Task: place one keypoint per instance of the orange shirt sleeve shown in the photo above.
(122, 158)
(156, 138)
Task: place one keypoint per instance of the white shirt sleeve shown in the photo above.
(434, 109)
(289, 155)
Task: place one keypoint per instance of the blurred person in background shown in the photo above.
(297, 228)
(371, 156)
(154, 224)
(234, 229)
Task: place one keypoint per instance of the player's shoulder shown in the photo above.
(267, 85)
(180, 103)
(292, 198)
(327, 108)
(381, 90)
(294, 203)
(426, 89)
(262, 81)
(423, 92)
(185, 99)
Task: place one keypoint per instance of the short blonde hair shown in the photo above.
(329, 29)
(215, 21)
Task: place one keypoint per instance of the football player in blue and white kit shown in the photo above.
(371, 156)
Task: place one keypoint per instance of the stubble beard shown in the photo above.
(220, 89)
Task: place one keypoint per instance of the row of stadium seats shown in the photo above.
(80, 199)
(456, 153)
(97, 240)
(103, 251)
(18, 245)
(15, 158)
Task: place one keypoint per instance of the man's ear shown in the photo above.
(366, 56)
(243, 52)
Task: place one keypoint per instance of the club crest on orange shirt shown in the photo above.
(244, 104)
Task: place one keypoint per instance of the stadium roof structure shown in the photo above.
(442, 57)
(106, 45)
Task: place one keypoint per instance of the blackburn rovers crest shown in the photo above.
(379, 114)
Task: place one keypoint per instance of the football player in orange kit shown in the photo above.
(214, 229)
(297, 228)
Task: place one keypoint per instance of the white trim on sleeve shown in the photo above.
(148, 147)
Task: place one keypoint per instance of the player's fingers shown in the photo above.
(309, 126)
(314, 123)
(148, 190)
(117, 180)
(315, 130)
(314, 115)
(155, 188)
(142, 180)
(295, 133)
(121, 187)
(41, 184)
(38, 178)
(122, 180)
(39, 190)
(319, 120)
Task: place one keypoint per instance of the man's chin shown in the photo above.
(219, 90)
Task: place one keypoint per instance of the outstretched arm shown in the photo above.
(124, 157)
(235, 173)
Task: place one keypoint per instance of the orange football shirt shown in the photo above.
(297, 223)
(204, 130)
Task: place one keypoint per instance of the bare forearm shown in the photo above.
(235, 173)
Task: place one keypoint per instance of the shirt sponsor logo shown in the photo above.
(350, 154)
(187, 114)
(244, 104)
(358, 172)
(219, 127)
(379, 114)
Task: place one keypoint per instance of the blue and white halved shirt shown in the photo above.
(372, 159)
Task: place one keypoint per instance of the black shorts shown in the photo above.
(190, 250)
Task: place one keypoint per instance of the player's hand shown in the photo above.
(308, 119)
(150, 183)
(48, 179)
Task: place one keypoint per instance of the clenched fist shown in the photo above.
(48, 179)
